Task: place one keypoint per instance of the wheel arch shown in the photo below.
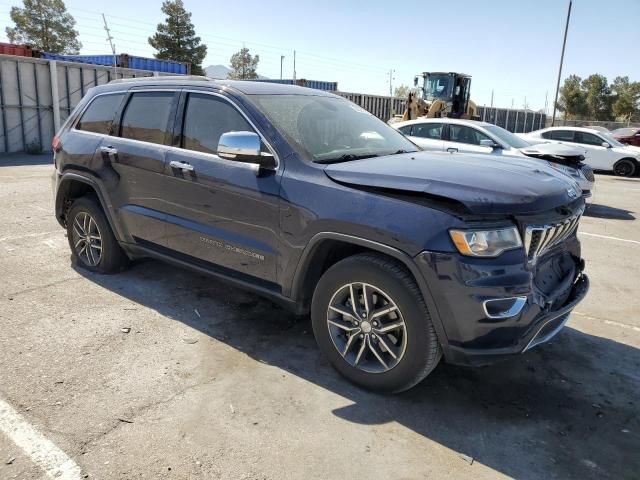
(74, 185)
(327, 248)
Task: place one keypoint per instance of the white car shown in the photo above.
(603, 151)
(469, 136)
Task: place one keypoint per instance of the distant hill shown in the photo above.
(220, 71)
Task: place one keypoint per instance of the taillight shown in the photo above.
(55, 144)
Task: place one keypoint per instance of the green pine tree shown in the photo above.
(244, 65)
(176, 38)
(45, 25)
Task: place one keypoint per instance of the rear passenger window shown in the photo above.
(98, 117)
(406, 130)
(206, 119)
(428, 130)
(146, 117)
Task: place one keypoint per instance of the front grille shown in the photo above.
(587, 171)
(539, 239)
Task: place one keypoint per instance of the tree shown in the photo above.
(244, 65)
(572, 100)
(626, 98)
(401, 92)
(45, 25)
(176, 39)
(598, 97)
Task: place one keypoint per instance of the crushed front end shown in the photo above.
(491, 308)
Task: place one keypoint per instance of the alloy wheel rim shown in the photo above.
(366, 327)
(624, 169)
(87, 239)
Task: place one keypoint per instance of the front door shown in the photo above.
(220, 212)
(465, 139)
(599, 158)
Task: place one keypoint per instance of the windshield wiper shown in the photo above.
(346, 158)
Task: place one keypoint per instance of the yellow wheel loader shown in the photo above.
(440, 95)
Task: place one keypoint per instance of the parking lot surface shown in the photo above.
(163, 373)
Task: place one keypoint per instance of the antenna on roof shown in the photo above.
(113, 47)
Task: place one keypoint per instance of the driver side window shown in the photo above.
(588, 139)
(464, 134)
(206, 118)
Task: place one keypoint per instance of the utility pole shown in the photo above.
(281, 60)
(294, 66)
(546, 101)
(564, 43)
(113, 47)
(391, 82)
(491, 98)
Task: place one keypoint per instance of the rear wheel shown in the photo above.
(625, 167)
(92, 243)
(370, 320)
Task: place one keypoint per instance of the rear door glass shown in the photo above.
(99, 115)
(146, 117)
(561, 135)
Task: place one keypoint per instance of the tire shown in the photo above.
(413, 350)
(105, 254)
(625, 167)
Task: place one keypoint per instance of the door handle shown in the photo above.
(452, 150)
(184, 166)
(110, 152)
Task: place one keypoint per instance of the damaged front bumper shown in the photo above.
(492, 309)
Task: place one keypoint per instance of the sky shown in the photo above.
(509, 47)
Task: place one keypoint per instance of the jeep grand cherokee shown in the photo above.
(400, 256)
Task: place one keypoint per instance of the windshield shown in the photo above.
(625, 132)
(507, 137)
(328, 129)
(611, 140)
(438, 86)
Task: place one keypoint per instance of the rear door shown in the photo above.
(137, 153)
(220, 212)
(465, 139)
(427, 135)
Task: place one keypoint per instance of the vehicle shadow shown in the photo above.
(24, 159)
(568, 409)
(602, 211)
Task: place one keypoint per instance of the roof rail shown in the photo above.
(181, 78)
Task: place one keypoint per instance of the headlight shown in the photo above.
(486, 243)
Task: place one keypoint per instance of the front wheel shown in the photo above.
(625, 167)
(370, 320)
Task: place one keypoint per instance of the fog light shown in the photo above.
(501, 308)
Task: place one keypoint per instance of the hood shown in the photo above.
(553, 150)
(481, 185)
(635, 151)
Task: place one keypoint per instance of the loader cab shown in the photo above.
(449, 87)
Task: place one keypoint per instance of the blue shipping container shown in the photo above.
(124, 61)
(301, 82)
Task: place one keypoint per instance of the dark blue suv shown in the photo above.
(400, 256)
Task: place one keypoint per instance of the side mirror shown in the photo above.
(489, 143)
(244, 147)
(606, 145)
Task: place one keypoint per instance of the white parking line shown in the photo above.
(609, 238)
(41, 450)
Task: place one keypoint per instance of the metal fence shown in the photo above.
(517, 121)
(37, 96)
(513, 120)
(382, 107)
